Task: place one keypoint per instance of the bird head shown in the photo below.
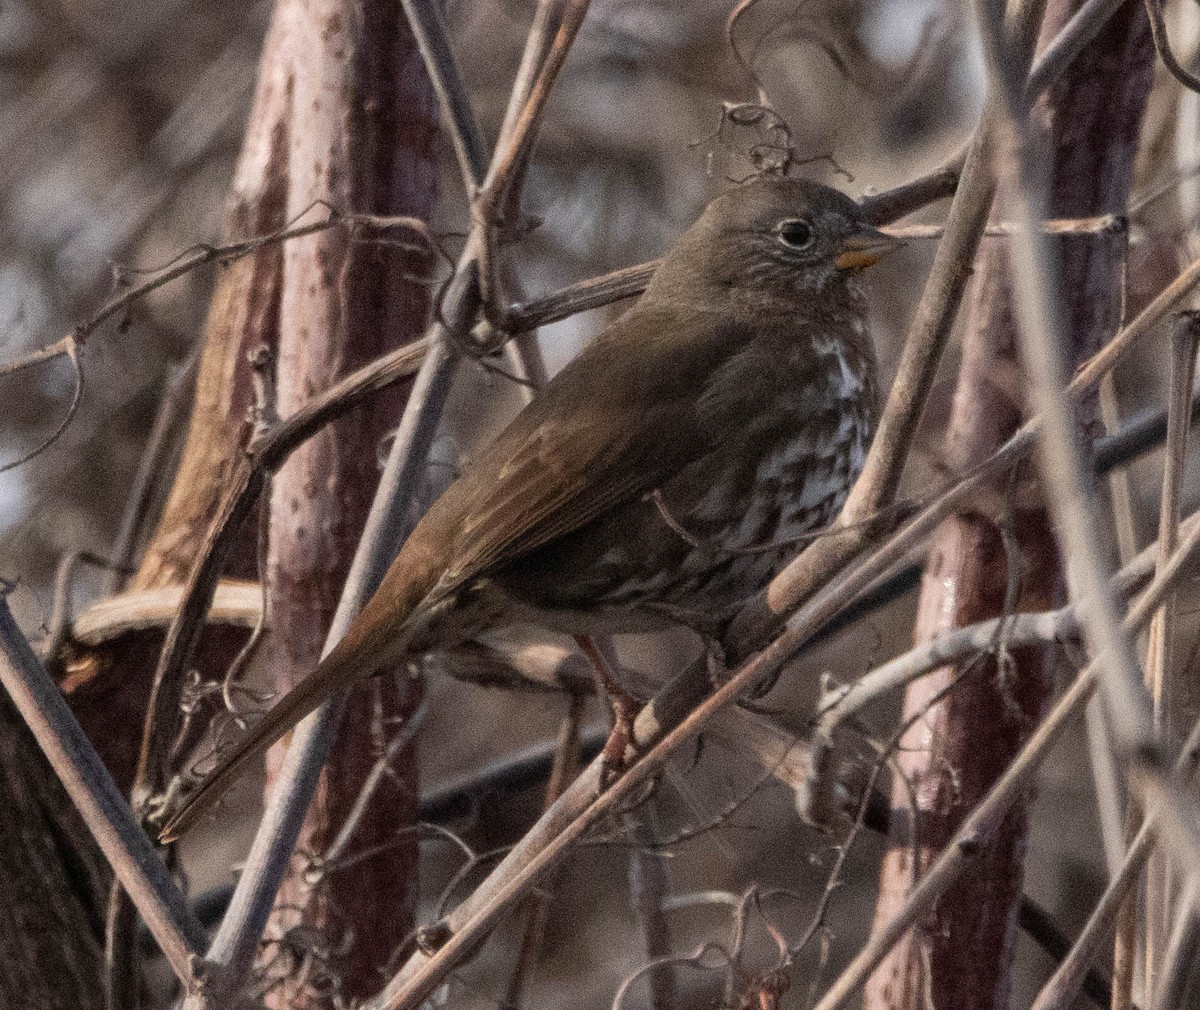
(780, 236)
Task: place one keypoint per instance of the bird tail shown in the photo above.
(378, 637)
(339, 668)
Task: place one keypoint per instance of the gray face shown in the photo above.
(783, 234)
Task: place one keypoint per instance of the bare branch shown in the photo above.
(101, 804)
(71, 352)
(428, 22)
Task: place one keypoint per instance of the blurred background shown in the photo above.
(119, 124)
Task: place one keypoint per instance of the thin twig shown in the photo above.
(1105, 779)
(1179, 959)
(59, 624)
(537, 906)
(375, 778)
(1184, 336)
(1064, 984)
(1162, 42)
(72, 350)
(630, 281)
(151, 466)
(190, 260)
(428, 22)
(575, 298)
(71, 346)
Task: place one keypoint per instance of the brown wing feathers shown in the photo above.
(546, 475)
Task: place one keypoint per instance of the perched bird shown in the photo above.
(664, 476)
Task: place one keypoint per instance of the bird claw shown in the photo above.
(614, 758)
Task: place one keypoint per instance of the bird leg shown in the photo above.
(624, 705)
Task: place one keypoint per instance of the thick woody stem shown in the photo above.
(388, 522)
(962, 954)
(365, 140)
(91, 788)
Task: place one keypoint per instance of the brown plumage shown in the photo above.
(664, 475)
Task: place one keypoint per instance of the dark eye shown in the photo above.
(798, 234)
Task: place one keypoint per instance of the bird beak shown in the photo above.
(865, 248)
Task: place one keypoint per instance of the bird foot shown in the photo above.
(614, 758)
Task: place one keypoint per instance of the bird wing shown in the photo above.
(617, 422)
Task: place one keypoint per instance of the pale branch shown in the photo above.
(1179, 958)
(982, 821)
(1040, 317)
(846, 702)
(236, 602)
(496, 203)
(1063, 985)
(536, 911)
(427, 19)
(1161, 637)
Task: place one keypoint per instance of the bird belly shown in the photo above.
(693, 551)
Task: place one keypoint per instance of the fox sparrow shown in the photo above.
(663, 476)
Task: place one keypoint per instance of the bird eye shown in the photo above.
(796, 233)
